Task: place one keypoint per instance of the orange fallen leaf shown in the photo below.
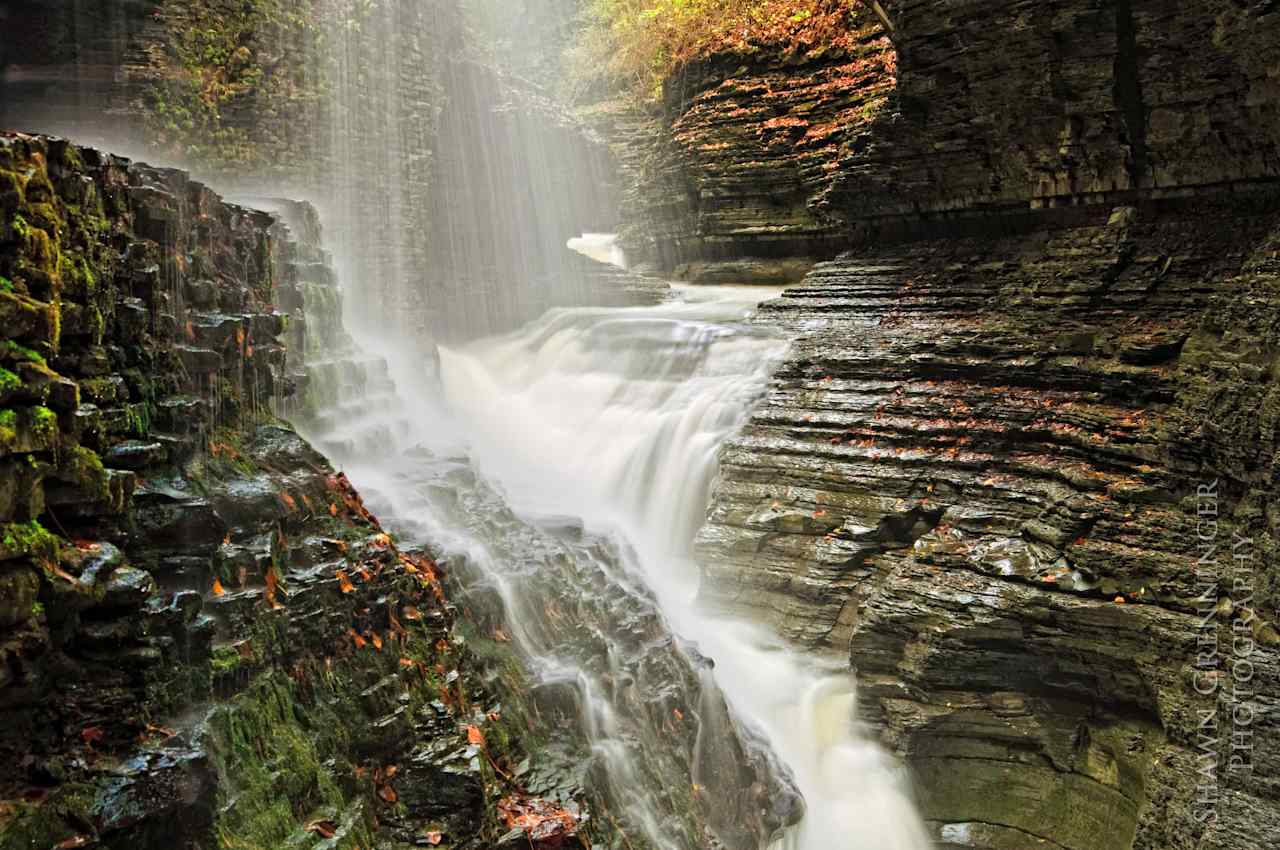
(434, 838)
(475, 736)
(356, 639)
(501, 636)
(1119, 600)
(217, 588)
(387, 793)
(406, 662)
(344, 583)
(377, 641)
(333, 509)
(323, 828)
(74, 841)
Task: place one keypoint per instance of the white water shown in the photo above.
(616, 416)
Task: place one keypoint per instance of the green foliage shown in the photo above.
(639, 43)
(6, 285)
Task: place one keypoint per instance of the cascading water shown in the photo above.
(609, 420)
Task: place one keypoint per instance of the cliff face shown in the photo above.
(1018, 467)
(205, 638)
(1026, 486)
(997, 107)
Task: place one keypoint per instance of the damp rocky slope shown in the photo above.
(205, 638)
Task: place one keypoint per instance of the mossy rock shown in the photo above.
(27, 540)
(61, 818)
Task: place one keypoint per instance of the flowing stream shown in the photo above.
(582, 449)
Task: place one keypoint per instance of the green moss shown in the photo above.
(37, 609)
(28, 538)
(276, 757)
(52, 823)
(225, 659)
(83, 468)
(9, 382)
(44, 422)
(15, 351)
(6, 285)
(8, 428)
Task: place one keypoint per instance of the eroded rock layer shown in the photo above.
(1026, 486)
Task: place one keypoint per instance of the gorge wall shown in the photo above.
(978, 109)
(205, 638)
(1019, 465)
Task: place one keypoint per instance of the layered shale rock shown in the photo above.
(1010, 106)
(744, 145)
(1026, 486)
(205, 638)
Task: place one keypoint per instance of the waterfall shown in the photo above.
(581, 449)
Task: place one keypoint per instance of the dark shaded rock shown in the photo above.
(166, 796)
(19, 589)
(128, 588)
(135, 454)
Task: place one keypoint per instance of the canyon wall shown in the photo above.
(979, 115)
(1018, 468)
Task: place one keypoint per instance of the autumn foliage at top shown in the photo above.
(639, 43)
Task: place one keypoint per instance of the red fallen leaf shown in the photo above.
(344, 583)
(217, 588)
(72, 842)
(475, 736)
(92, 734)
(270, 592)
(323, 828)
(387, 793)
(434, 838)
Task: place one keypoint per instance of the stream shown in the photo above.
(578, 453)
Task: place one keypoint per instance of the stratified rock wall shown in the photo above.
(1027, 486)
(1006, 106)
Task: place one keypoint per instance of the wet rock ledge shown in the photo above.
(205, 639)
(1027, 487)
